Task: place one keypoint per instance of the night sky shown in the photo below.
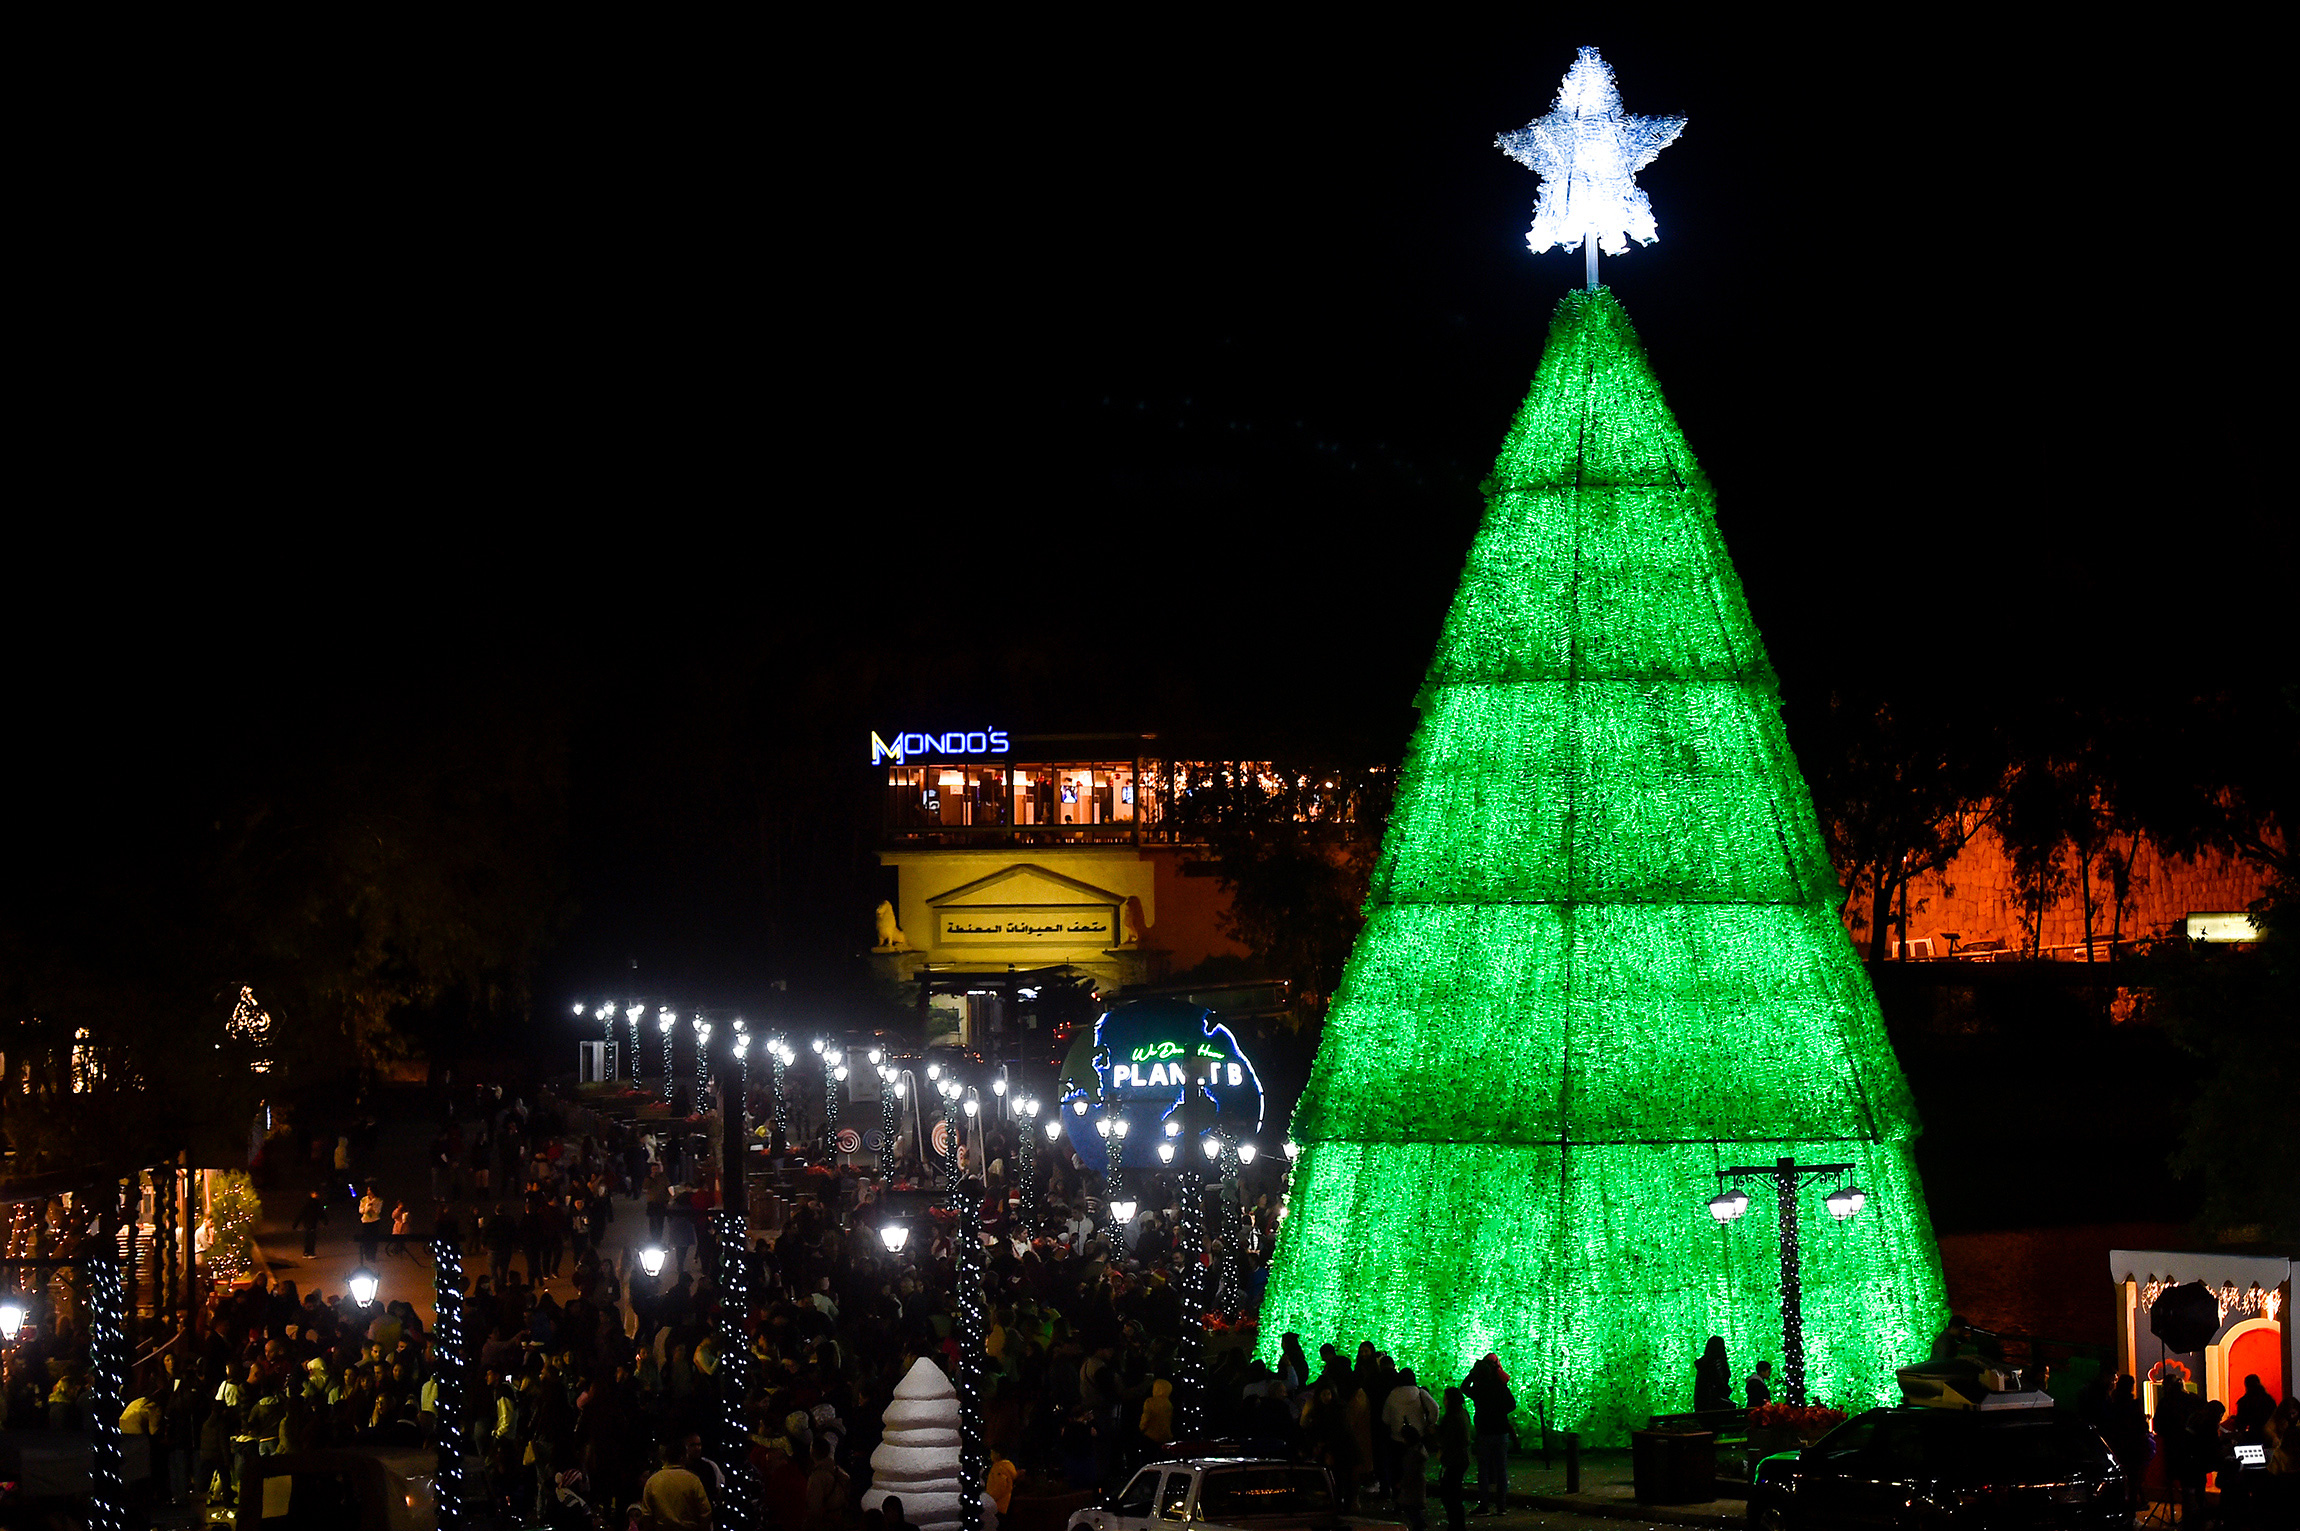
(717, 399)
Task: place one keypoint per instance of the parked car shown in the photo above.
(1215, 1493)
(1947, 1468)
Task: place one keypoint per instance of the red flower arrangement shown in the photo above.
(1809, 1422)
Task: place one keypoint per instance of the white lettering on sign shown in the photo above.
(981, 741)
(1135, 1076)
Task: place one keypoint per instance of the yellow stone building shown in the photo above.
(1055, 855)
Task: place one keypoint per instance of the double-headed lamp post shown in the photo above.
(1026, 1153)
(780, 1056)
(889, 1113)
(1112, 1125)
(1787, 1175)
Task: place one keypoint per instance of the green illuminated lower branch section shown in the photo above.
(1597, 1273)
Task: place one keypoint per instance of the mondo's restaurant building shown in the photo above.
(1017, 854)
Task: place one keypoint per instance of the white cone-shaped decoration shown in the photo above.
(917, 1456)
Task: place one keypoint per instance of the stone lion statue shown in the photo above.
(890, 936)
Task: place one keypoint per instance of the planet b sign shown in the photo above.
(1159, 1063)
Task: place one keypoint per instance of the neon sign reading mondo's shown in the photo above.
(980, 741)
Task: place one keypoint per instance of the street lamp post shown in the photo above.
(1236, 1154)
(731, 1225)
(947, 1089)
(889, 1120)
(1199, 1145)
(779, 1054)
(834, 1070)
(742, 1041)
(703, 1070)
(665, 1022)
(1026, 1155)
(631, 1014)
(1787, 1175)
(1112, 1125)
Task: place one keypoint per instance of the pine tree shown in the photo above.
(1601, 961)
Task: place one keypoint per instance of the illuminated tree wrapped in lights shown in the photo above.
(1189, 1253)
(734, 1427)
(973, 1335)
(1601, 962)
(107, 1393)
(778, 1053)
(448, 1368)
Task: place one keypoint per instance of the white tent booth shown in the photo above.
(2254, 1293)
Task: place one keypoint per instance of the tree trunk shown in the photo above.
(1880, 912)
(2084, 890)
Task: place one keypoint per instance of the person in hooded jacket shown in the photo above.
(1157, 1421)
(1487, 1387)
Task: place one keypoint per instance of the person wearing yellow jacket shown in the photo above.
(1158, 1413)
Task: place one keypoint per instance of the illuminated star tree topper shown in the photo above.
(1587, 151)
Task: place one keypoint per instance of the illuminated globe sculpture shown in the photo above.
(1141, 1062)
(1601, 963)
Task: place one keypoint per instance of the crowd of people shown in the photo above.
(596, 1391)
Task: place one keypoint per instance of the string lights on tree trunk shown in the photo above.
(447, 1370)
(1233, 1230)
(734, 1431)
(973, 1334)
(107, 1393)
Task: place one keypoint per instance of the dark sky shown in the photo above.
(738, 393)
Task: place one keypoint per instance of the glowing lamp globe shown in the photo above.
(1123, 1211)
(894, 1236)
(578, 1009)
(1173, 1128)
(1165, 1153)
(839, 1073)
(651, 1260)
(1246, 1152)
(934, 1071)
(665, 1022)
(1053, 1131)
(877, 1056)
(998, 1085)
(1212, 1145)
(363, 1283)
(1102, 1126)
(1293, 1149)
(1079, 1105)
(972, 1105)
(1729, 1206)
(1844, 1203)
(902, 1089)
(11, 1320)
(1119, 1126)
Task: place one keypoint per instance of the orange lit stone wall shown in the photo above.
(1976, 898)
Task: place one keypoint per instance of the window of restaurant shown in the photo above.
(943, 797)
(1081, 800)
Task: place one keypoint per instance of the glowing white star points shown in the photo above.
(1588, 151)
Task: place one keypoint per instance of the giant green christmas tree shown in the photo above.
(1601, 962)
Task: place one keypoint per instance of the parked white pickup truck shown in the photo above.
(1224, 1494)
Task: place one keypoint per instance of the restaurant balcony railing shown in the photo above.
(995, 836)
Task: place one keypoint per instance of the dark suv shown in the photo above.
(1945, 1468)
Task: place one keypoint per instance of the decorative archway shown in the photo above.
(2251, 1345)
